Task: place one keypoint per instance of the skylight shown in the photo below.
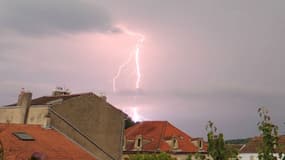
(23, 136)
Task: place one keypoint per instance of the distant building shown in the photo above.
(250, 150)
(20, 141)
(150, 137)
(86, 118)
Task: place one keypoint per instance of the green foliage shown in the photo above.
(129, 122)
(160, 156)
(200, 156)
(269, 134)
(189, 157)
(216, 144)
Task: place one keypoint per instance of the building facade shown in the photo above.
(249, 151)
(86, 118)
(150, 137)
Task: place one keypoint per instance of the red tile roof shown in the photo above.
(254, 143)
(49, 142)
(155, 135)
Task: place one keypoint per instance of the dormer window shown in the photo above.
(139, 142)
(198, 142)
(201, 144)
(174, 143)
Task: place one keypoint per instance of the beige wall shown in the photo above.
(185, 156)
(15, 114)
(177, 156)
(11, 114)
(94, 118)
(37, 115)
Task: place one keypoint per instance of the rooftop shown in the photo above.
(48, 142)
(156, 134)
(254, 143)
(45, 100)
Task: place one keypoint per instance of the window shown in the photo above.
(200, 144)
(139, 142)
(174, 143)
(23, 136)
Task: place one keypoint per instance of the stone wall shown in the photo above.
(93, 123)
(12, 114)
(15, 114)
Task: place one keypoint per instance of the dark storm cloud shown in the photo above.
(41, 17)
(215, 60)
(201, 60)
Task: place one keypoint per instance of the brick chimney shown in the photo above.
(24, 100)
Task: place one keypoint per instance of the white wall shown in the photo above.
(253, 156)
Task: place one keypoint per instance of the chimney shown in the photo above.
(24, 100)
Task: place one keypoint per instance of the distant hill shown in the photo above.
(237, 141)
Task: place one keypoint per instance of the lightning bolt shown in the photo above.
(121, 67)
(138, 45)
(136, 117)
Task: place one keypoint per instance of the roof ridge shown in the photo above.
(150, 121)
(77, 94)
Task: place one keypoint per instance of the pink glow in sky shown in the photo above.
(202, 60)
(135, 115)
(136, 52)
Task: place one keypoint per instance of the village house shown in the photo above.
(250, 150)
(86, 118)
(19, 141)
(151, 137)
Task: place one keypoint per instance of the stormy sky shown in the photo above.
(201, 60)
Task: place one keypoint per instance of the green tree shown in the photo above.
(160, 156)
(189, 157)
(217, 148)
(200, 156)
(269, 135)
(129, 122)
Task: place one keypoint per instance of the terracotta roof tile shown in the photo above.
(47, 141)
(254, 143)
(157, 133)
